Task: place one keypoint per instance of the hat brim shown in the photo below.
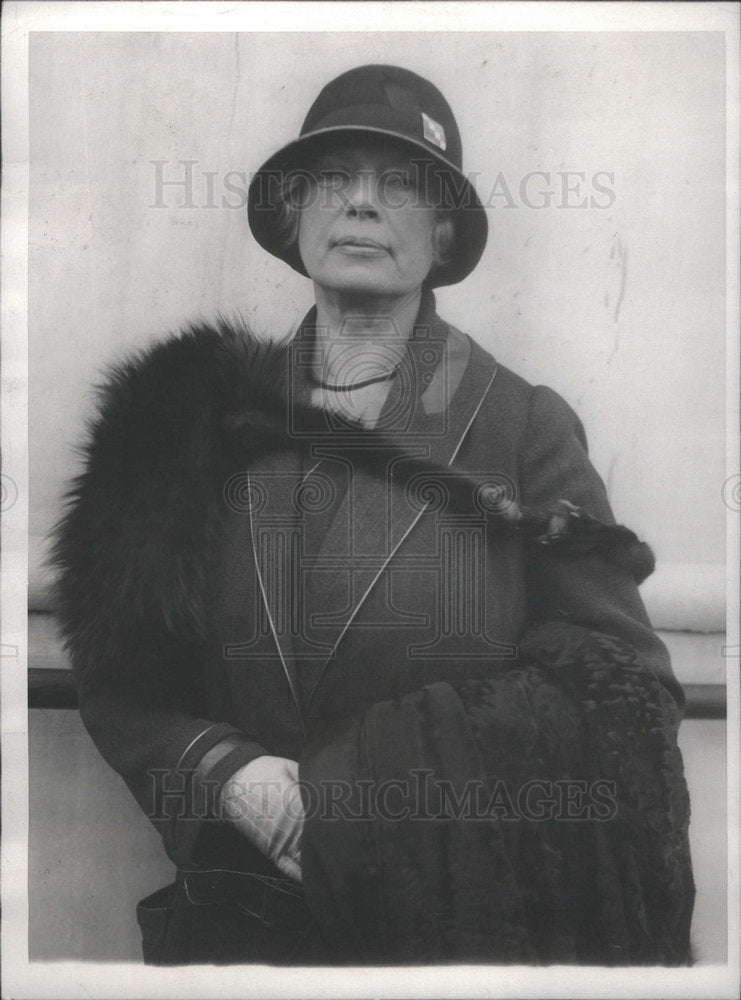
(469, 216)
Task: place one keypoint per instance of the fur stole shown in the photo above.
(133, 545)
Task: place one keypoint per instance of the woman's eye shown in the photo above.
(398, 179)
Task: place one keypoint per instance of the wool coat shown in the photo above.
(226, 594)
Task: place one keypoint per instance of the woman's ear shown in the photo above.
(443, 239)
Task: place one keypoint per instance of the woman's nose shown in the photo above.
(362, 195)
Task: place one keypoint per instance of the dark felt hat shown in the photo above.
(402, 106)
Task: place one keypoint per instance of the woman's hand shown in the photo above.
(263, 801)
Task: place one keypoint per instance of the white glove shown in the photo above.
(263, 801)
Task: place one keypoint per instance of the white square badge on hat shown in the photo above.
(433, 131)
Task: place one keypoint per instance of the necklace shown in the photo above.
(349, 386)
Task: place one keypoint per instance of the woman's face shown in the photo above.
(366, 226)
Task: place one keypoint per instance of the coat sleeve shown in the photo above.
(584, 589)
(173, 760)
(131, 551)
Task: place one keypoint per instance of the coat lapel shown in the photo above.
(312, 601)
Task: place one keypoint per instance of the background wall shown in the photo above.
(618, 304)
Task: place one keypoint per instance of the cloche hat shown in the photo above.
(386, 101)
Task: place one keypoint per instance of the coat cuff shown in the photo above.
(220, 762)
(203, 768)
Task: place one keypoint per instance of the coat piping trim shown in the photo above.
(475, 414)
(193, 742)
(273, 629)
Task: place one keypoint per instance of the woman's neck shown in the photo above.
(358, 337)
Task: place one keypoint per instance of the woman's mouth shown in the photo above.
(359, 247)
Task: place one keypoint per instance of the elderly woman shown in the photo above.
(350, 613)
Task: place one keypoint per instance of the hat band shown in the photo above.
(415, 126)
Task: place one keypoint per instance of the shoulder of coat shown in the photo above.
(508, 388)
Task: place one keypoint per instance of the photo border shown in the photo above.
(22, 979)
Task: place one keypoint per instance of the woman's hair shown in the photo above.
(290, 197)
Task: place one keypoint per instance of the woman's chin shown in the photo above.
(363, 282)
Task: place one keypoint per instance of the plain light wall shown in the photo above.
(619, 305)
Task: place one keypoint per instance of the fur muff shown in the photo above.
(461, 869)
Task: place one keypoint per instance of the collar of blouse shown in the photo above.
(424, 381)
